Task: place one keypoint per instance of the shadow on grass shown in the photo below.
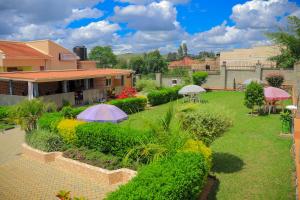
(226, 163)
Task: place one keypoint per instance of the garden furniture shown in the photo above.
(273, 95)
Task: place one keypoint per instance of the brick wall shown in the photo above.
(4, 87)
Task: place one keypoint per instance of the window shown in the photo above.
(91, 83)
(122, 81)
(42, 68)
(108, 82)
(174, 82)
(207, 67)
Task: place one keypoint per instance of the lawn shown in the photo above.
(251, 161)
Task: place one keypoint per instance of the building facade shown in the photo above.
(44, 69)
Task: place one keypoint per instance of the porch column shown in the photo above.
(65, 86)
(86, 84)
(30, 90)
(10, 83)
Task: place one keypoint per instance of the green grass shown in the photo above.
(251, 161)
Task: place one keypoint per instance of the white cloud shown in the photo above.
(153, 17)
(84, 13)
(150, 1)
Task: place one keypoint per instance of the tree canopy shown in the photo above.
(288, 40)
(104, 56)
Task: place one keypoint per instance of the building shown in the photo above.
(250, 56)
(45, 69)
(207, 64)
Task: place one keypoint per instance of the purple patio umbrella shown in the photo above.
(102, 113)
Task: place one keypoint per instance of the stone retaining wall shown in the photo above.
(109, 177)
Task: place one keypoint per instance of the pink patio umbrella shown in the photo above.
(103, 113)
(275, 94)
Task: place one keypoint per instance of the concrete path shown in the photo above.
(22, 178)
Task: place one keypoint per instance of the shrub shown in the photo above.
(127, 93)
(27, 112)
(254, 96)
(5, 112)
(44, 140)
(71, 113)
(49, 121)
(199, 78)
(206, 125)
(275, 80)
(109, 138)
(130, 105)
(165, 95)
(145, 85)
(174, 178)
(66, 128)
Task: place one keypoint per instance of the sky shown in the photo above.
(136, 26)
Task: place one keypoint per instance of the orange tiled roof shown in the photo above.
(19, 50)
(48, 76)
(185, 62)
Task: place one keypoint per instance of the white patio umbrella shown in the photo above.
(248, 81)
(191, 89)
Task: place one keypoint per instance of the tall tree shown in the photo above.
(180, 52)
(138, 65)
(289, 42)
(104, 56)
(184, 49)
(172, 56)
(154, 62)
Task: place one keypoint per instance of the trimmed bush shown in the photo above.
(66, 128)
(165, 95)
(275, 80)
(206, 125)
(130, 105)
(182, 176)
(254, 96)
(199, 78)
(109, 138)
(44, 140)
(71, 113)
(49, 121)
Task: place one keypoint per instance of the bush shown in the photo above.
(49, 121)
(127, 93)
(145, 85)
(5, 112)
(254, 96)
(182, 176)
(71, 113)
(206, 125)
(66, 128)
(275, 80)
(44, 140)
(199, 78)
(130, 105)
(109, 138)
(164, 95)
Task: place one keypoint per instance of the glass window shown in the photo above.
(122, 81)
(108, 82)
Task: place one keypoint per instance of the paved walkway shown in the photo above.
(22, 178)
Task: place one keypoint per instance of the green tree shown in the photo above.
(122, 64)
(180, 52)
(138, 65)
(184, 49)
(172, 56)
(199, 78)
(289, 42)
(254, 96)
(104, 56)
(154, 62)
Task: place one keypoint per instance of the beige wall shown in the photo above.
(87, 64)
(58, 98)
(248, 57)
(52, 49)
(11, 99)
(26, 64)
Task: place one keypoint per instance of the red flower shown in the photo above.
(127, 93)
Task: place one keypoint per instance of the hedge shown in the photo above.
(199, 78)
(49, 121)
(4, 112)
(165, 95)
(130, 105)
(66, 129)
(109, 138)
(71, 113)
(44, 140)
(182, 176)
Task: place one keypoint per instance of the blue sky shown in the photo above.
(143, 25)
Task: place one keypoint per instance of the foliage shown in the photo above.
(130, 105)
(199, 78)
(154, 62)
(66, 128)
(71, 113)
(5, 112)
(27, 112)
(49, 121)
(182, 176)
(286, 121)
(44, 140)
(179, 72)
(205, 54)
(206, 124)
(165, 95)
(254, 95)
(65, 103)
(66, 195)
(289, 41)
(122, 63)
(103, 55)
(109, 138)
(145, 85)
(275, 80)
(126, 93)
(172, 56)
(182, 51)
(138, 65)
